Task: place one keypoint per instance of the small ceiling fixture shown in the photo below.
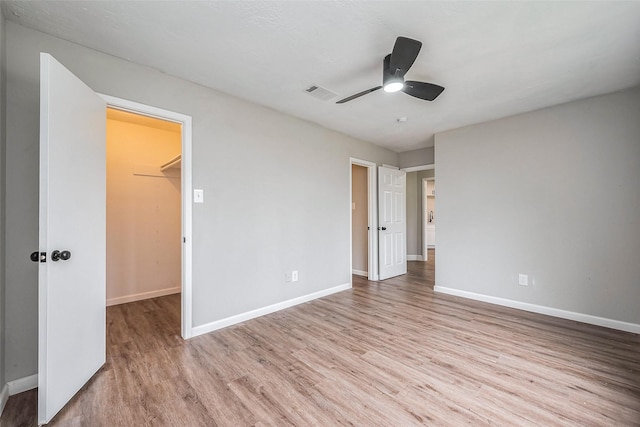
(401, 119)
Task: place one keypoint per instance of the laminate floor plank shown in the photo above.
(383, 353)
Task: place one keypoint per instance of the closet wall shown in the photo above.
(143, 208)
(360, 220)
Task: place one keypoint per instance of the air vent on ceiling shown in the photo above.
(320, 93)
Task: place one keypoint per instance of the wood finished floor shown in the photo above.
(391, 353)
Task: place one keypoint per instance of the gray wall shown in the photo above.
(413, 214)
(553, 193)
(2, 169)
(414, 210)
(360, 222)
(419, 157)
(408, 159)
(276, 190)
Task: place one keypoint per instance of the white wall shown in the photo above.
(554, 194)
(276, 190)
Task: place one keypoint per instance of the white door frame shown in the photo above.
(186, 181)
(372, 202)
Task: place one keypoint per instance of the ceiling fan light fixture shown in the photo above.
(394, 85)
(394, 67)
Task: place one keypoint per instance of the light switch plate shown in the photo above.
(198, 196)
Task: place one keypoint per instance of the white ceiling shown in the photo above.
(495, 59)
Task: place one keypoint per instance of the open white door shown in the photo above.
(392, 225)
(71, 300)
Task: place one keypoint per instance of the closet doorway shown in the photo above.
(428, 216)
(144, 207)
(359, 221)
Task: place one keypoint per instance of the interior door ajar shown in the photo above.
(392, 226)
(72, 240)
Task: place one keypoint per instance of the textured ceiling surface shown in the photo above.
(495, 59)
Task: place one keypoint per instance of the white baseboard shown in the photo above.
(22, 384)
(414, 257)
(360, 273)
(223, 323)
(4, 396)
(550, 311)
(143, 295)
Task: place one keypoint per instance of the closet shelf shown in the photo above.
(174, 163)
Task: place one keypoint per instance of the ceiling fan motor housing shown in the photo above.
(387, 74)
(392, 81)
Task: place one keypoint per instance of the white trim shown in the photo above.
(419, 168)
(360, 273)
(187, 230)
(187, 218)
(143, 295)
(22, 384)
(4, 396)
(414, 257)
(372, 208)
(549, 311)
(243, 317)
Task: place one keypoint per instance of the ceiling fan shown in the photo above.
(395, 66)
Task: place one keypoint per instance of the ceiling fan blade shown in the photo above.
(422, 90)
(358, 95)
(404, 54)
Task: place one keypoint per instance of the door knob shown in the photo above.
(38, 256)
(384, 228)
(58, 255)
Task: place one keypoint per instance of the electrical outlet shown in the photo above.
(288, 276)
(294, 276)
(523, 280)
